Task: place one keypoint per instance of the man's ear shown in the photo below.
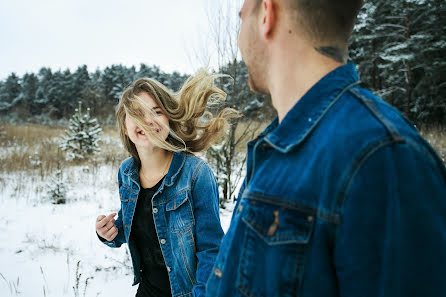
(269, 20)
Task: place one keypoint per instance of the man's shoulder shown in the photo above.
(361, 116)
(359, 124)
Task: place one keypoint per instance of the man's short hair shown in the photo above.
(327, 22)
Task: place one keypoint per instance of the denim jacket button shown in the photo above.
(310, 219)
(163, 241)
(155, 210)
(169, 269)
(218, 272)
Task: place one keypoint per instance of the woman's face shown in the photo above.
(158, 124)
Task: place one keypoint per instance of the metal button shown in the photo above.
(310, 218)
(155, 210)
(168, 269)
(218, 272)
(163, 241)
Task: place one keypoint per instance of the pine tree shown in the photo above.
(56, 188)
(30, 84)
(9, 92)
(399, 49)
(83, 135)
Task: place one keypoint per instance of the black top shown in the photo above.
(155, 278)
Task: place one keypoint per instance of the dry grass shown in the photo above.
(29, 134)
(436, 136)
(34, 147)
(247, 131)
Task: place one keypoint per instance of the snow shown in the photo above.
(41, 244)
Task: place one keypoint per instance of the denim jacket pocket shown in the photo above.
(180, 212)
(276, 238)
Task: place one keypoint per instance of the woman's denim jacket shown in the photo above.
(186, 215)
(343, 198)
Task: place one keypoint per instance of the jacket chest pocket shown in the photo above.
(275, 245)
(179, 212)
(128, 203)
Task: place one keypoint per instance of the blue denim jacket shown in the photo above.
(186, 215)
(343, 198)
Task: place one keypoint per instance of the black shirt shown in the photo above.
(155, 278)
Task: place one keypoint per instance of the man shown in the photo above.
(342, 197)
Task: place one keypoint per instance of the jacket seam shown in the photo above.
(195, 175)
(363, 156)
(390, 128)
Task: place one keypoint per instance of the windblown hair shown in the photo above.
(192, 128)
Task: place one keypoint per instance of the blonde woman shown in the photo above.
(169, 212)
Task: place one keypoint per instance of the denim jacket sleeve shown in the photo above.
(392, 238)
(207, 228)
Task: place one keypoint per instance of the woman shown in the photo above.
(169, 212)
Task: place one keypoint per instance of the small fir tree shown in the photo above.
(56, 188)
(83, 135)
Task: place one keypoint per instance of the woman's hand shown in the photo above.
(105, 227)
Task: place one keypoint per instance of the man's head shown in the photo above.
(327, 24)
(324, 26)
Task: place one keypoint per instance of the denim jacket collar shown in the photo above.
(132, 170)
(310, 109)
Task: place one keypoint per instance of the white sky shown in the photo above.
(68, 33)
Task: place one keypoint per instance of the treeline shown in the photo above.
(399, 47)
(53, 95)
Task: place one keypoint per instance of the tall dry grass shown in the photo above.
(436, 136)
(35, 147)
(247, 131)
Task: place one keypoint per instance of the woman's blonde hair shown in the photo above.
(191, 127)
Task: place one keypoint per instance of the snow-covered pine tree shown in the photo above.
(83, 135)
(9, 92)
(399, 49)
(56, 188)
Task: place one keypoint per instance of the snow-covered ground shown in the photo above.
(52, 250)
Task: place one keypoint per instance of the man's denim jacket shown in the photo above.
(343, 198)
(186, 215)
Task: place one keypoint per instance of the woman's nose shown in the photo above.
(150, 121)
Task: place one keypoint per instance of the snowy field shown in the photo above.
(52, 250)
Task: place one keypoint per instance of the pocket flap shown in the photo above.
(176, 201)
(278, 224)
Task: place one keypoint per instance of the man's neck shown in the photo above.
(293, 76)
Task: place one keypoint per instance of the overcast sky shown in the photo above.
(68, 33)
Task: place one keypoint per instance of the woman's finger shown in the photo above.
(106, 219)
(110, 233)
(110, 224)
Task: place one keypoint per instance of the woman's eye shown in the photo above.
(159, 112)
